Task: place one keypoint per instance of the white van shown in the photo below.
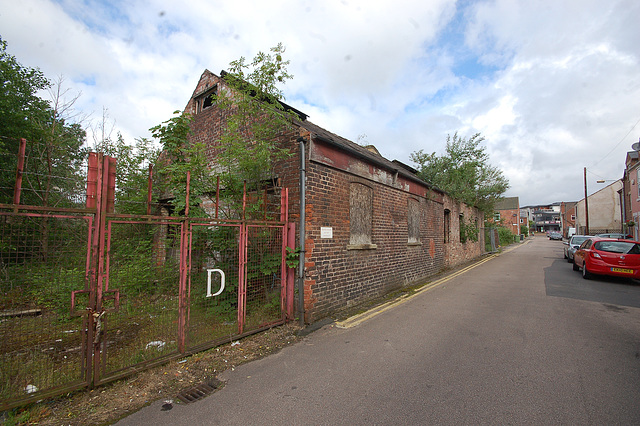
(571, 232)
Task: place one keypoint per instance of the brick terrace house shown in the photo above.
(371, 224)
(568, 216)
(507, 212)
(631, 193)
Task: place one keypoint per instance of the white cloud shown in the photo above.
(553, 86)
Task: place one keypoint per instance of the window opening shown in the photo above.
(205, 101)
(360, 214)
(413, 220)
(447, 225)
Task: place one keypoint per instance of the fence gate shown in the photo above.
(89, 296)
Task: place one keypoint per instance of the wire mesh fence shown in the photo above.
(50, 176)
(43, 259)
(91, 292)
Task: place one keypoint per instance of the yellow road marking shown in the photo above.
(360, 318)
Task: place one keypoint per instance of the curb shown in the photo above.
(360, 318)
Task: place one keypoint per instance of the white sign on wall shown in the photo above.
(326, 232)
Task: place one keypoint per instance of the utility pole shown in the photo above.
(586, 204)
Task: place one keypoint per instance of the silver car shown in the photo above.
(572, 245)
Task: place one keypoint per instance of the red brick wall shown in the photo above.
(337, 276)
(455, 251)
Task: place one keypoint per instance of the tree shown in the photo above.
(55, 149)
(463, 172)
(248, 145)
(249, 140)
(181, 156)
(19, 102)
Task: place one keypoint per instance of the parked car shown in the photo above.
(615, 235)
(608, 256)
(554, 235)
(572, 245)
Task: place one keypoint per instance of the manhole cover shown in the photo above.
(198, 392)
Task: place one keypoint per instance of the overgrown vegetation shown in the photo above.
(464, 172)
(249, 142)
(469, 231)
(43, 259)
(56, 156)
(506, 236)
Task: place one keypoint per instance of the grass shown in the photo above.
(46, 351)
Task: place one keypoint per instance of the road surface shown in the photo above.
(520, 338)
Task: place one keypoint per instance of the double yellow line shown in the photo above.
(360, 318)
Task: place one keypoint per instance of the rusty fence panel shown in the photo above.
(88, 295)
(265, 275)
(43, 259)
(213, 283)
(140, 297)
(42, 175)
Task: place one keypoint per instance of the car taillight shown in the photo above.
(596, 255)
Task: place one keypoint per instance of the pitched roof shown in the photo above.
(364, 153)
(369, 154)
(507, 203)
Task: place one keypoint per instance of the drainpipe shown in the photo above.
(303, 207)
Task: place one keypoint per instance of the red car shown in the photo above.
(608, 256)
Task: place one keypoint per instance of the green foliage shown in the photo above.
(463, 172)
(19, 102)
(506, 236)
(182, 156)
(469, 231)
(249, 139)
(249, 147)
(524, 230)
(132, 171)
(55, 156)
(293, 257)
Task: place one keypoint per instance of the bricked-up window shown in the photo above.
(447, 225)
(463, 237)
(206, 100)
(360, 216)
(413, 220)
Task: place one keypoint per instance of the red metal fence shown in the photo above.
(88, 295)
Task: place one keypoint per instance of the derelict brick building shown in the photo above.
(371, 225)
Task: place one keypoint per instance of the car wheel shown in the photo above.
(585, 273)
(575, 267)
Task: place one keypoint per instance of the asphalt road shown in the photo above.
(518, 339)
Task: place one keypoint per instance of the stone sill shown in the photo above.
(362, 246)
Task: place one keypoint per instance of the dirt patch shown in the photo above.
(107, 404)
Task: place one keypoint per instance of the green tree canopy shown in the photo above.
(463, 172)
(19, 102)
(55, 150)
(249, 141)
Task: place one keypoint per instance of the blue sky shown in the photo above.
(552, 86)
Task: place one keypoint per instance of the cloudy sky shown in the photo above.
(553, 86)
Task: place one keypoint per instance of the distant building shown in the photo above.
(507, 214)
(545, 217)
(567, 216)
(605, 211)
(631, 194)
